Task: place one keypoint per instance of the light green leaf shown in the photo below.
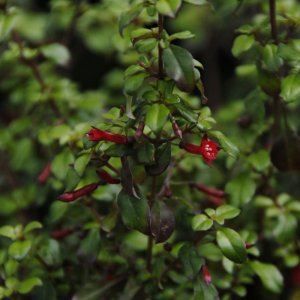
(32, 225)
(127, 17)
(231, 245)
(197, 2)
(134, 82)
(61, 163)
(226, 144)
(201, 223)
(57, 53)
(242, 44)
(290, 87)
(269, 275)
(156, 117)
(179, 65)
(168, 7)
(81, 162)
(19, 249)
(8, 231)
(24, 287)
(181, 35)
(270, 58)
(225, 212)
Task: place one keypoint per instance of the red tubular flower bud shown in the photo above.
(206, 275)
(140, 130)
(84, 191)
(43, 177)
(176, 129)
(248, 245)
(96, 134)
(210, 191)
(216, 200)
(60, 234)
(107, 177)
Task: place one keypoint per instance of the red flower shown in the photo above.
(96, 134)
(107, 178)
(206, 274)
(43, 177)
(84, 191)
(139, 130)
(208, 149)
(210, 191)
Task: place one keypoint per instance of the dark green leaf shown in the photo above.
(179, 65)
(231, 245)
(271, 60)
(240, 189)
(145, 153)
(202, 291)
(144, 46)
(162, 222)
(186, 112)
(135, 212)
(134, 82)
(118, 150)
(191, 260)
(162, 160)
(127, 178)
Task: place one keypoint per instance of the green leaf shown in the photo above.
(156, 117)
(231, 245)
(186, 112)
(241, 189)
(162, 160)
(19, 249)
(140, 33)
(81, 162)
(168, 7)
(197, 2)
(226, 144)
(242, 44)
(202, 291)
(260, 160)
(32, 225)
(290, 87)
(162, 221)
(61, 164)
(24, 287)
(135, 212)
(127, 17)
(57, 53)
(8, 231)
(269, 275)
(179, 65)
(225, 212)
(134, 82)
(181, 35)
(270, 58)
(191, 260)
(118, 150)
(11, 267)
(145, 153)
(145, 45)
(201, 223)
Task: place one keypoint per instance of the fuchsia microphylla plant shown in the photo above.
(149, 141)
